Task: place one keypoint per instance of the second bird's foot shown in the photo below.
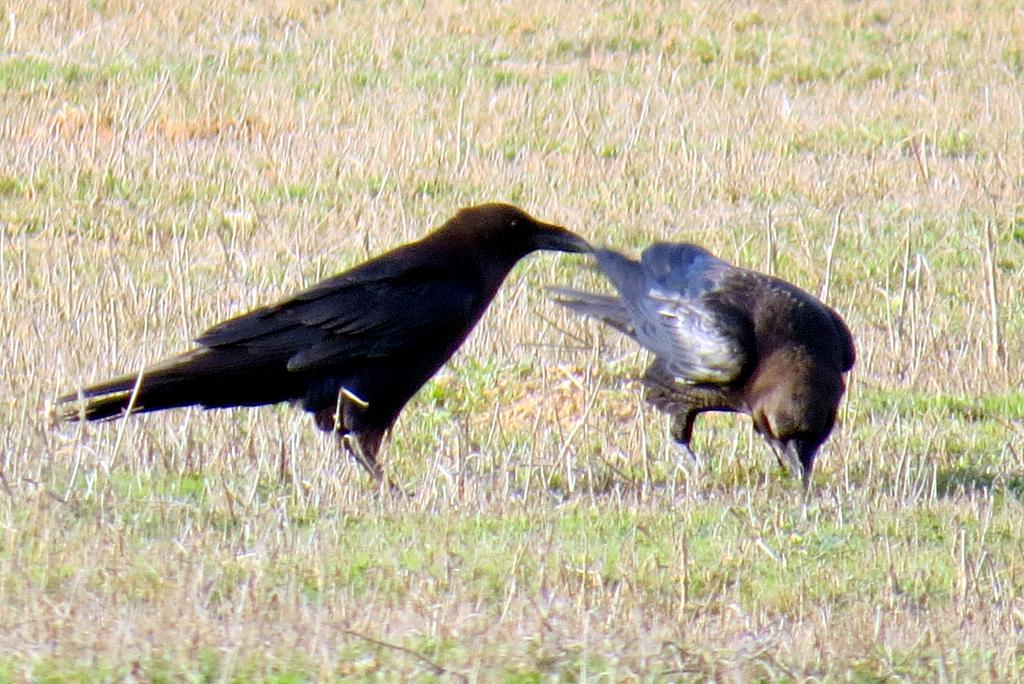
(688, 460)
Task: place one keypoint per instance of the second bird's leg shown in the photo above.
(683, 401)
(669, 396)
(682, 432)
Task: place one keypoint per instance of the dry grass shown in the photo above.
(162, 167)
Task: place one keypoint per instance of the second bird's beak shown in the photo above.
(559, 239)
(798, 456)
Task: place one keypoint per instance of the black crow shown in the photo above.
(351, 350)
(728, 339)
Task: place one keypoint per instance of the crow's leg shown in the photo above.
(364, 447)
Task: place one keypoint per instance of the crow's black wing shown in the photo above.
(376, 310)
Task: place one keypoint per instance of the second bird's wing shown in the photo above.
(610, 310)
(671, 296)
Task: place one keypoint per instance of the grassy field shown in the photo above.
(163, 167)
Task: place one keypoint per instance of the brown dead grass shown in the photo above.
(75, 122)
(246, 128)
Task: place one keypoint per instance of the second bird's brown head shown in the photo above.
(793, 399)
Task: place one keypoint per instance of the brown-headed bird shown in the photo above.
(351, 350)
(728, 339)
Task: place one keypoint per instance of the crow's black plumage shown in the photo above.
(352, 349)
(728, 339)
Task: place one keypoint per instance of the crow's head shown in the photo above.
(502, 229)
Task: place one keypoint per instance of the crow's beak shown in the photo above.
(559, 239)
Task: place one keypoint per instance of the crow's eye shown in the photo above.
(513, 223)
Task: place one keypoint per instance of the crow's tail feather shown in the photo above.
(199, 377)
